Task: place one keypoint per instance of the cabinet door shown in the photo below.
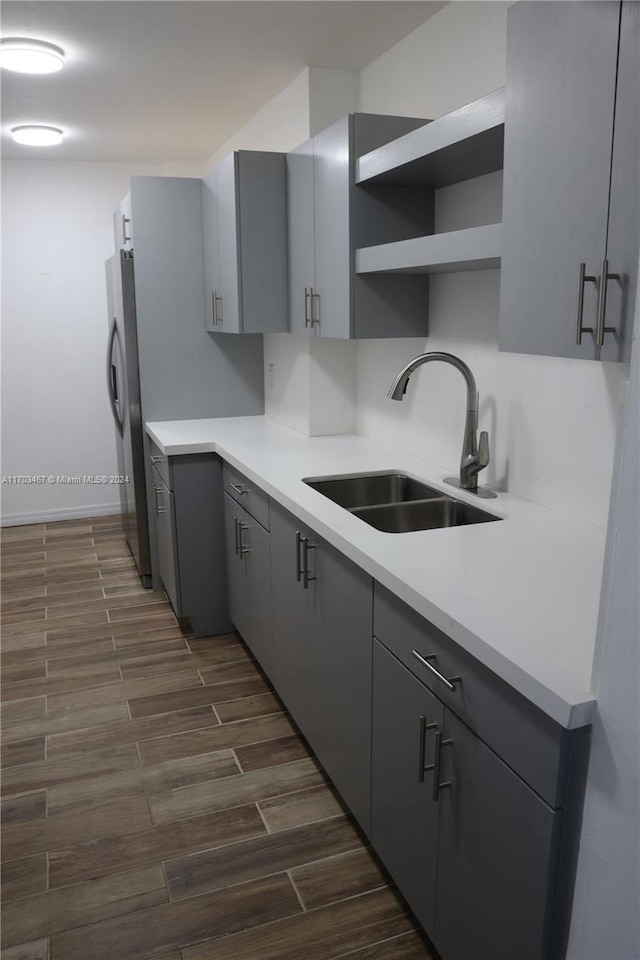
(301, 234)
(561, 80)
(249, 578)
(293, 611)
(497, 856)
(229, 307)
(624, 213)
(210, 250)
(404, 816)
(342, 674)
(237, 580)
(333, 253)
(166, 541)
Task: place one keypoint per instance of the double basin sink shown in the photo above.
(395, 503)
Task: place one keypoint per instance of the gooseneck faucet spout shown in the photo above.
(474, 458)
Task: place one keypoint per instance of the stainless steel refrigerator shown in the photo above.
(123, 380)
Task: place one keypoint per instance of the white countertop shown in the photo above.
(521, 595)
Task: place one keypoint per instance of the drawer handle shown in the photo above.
(158, 459)
(449, 684)
(239, 489)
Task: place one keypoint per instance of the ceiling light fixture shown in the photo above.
(30, 56)
(37, 135)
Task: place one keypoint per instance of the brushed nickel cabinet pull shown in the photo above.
(437, 786)
(449, 684)
(307, 297)
(306, 546)
(243, 547)
(235, 535)
(125, 221)
(315, 320)
(605, 276)
(582, 279)
(422, 767)
(298, 562)
(239, 488)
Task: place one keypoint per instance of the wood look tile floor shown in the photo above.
(158, 802)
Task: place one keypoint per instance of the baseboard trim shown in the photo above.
(60, 513)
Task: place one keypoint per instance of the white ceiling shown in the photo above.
(159, 80)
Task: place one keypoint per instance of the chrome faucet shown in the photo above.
(475, 457)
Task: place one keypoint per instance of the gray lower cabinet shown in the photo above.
(472, 848)
(188, 531)
(570, 210)
(322, 620)
(497, 855)
(404, 819)
(249, 580)
(166, 545)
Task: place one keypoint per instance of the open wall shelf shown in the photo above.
(465, 143)
(477, 248)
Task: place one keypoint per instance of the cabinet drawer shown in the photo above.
(244, 492)
(161, 463)
(527, 739)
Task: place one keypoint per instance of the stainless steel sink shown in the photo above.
(422, 515)
(372, 488)
(395, 503)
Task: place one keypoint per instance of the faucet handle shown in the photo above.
(483, 450)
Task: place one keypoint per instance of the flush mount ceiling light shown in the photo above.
(30, 56)
(37, 135)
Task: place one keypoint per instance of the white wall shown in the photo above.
(57, 232)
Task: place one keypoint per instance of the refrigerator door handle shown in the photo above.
(112, 378)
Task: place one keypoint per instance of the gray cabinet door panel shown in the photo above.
(262, 240)
(210, 247)
(230, 306)
(332, 171)
(342, 675)
(624, 212)
(237, 581)
(301, 234)
(166, 542)
(404, 817)
(249, 578)
(561, 78)
(293, 610)
(496, 858)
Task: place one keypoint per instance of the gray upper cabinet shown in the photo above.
(301, 237)
(245, 243)
(327, 218)
(559, 231)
